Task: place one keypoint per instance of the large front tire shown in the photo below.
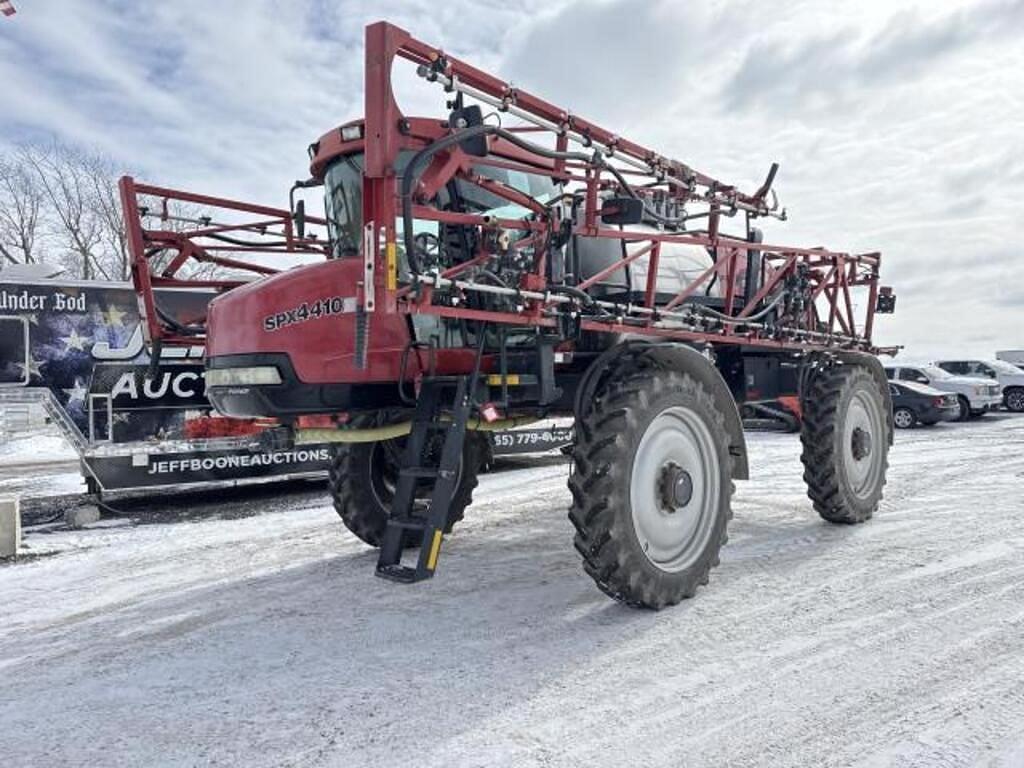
(362, 482)
(651, 487)
(845, 441)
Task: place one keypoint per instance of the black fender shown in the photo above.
(675, 357)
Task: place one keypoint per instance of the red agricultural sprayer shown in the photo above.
(509, 261)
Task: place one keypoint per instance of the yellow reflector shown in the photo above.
(392, 266)
(494, 380)
(435, 550)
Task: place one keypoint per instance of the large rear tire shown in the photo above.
(362, 482)
(845, 441)
(651, 487)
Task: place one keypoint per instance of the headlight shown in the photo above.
(242, 377)
(352, 132)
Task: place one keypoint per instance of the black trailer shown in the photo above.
(77, 350)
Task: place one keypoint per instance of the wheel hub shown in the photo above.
(675, 487)
(860, 444)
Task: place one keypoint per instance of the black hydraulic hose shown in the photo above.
(596, 159)
(493, 277)
(585, 298)
(571, 290)
(184, 330)
(246, 243)
(677, 221)
(741, 320)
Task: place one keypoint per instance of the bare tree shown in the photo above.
(68, 197)
(21, 213)
(62, 172)
(106, 204)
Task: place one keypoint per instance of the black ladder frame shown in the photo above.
(428, 418)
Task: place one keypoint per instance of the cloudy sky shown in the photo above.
(899, 124)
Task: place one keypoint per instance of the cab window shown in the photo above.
(983, 370)
(909, 374)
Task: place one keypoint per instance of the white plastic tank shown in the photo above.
(679, 265)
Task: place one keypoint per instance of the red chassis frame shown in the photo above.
(833, 278)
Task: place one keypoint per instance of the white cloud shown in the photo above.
(899, 123)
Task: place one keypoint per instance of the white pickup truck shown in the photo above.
(975, 396)
(1010, 377)
(1011, 356)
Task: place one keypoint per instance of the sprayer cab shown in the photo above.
(308, 341)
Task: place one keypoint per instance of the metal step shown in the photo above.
(420, 464)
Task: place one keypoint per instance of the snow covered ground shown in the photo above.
(215, 638)
(39, 464)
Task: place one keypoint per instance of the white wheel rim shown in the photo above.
(862, 448)
(677, 439)
(903, 418)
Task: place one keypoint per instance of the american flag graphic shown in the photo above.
(7, 8)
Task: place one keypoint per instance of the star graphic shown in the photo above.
(74, 341)
(113, 316)
(78, 392)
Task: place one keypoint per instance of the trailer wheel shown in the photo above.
(651, 487)
(845, 440)
(362, 481)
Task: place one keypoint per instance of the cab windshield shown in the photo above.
(343, 184)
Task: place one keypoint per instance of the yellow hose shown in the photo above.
(391, 431)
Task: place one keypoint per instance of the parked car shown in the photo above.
(1010, 377)
(919, 404)
(974, 396)
(1012, 356)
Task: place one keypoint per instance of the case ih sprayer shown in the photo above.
(511, 261)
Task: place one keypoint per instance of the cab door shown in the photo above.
(980, 370)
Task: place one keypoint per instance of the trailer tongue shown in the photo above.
(511, 261)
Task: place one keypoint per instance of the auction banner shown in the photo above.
(141, 470)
